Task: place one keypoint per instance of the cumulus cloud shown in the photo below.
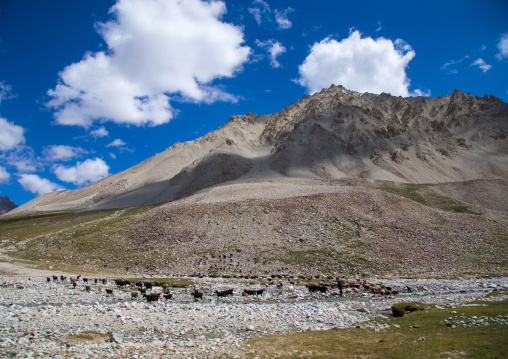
(263, 13)
(503, 47)
(62, 152)
(11, 135)
(156, 49)
(83, 172)
(35, 184)
(4, 175)
(482, 64)
(100, 132)
(359, 64)
(274, 49)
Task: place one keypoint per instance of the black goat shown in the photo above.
(253, 292)
(152, 297)
(197, 295)
(224, 293)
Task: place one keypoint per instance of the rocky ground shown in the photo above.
(57, 320)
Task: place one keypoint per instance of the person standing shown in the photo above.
(340, 284)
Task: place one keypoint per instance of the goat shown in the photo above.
(168, 296)
(197, 295)
(134, 295)
(224, 293)
(62, 278)
(122, 283)
(109, 292)
(87, 289)
(148, 285)
(152, 297)
(48, 279)
(247, 292)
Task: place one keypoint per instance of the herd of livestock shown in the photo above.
(154, 291)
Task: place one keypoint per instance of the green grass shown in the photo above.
(87, 336)
(23, 227)
(421, 193)
(71, 238)
(419, 334)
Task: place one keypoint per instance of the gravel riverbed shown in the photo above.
(55, 320)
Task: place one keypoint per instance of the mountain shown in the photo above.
(333, 135)
(6, 205)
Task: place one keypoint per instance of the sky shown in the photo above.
(89, 88)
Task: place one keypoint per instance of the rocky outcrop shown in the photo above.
(6, 205)
(332, 135)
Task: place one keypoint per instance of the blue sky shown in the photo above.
(89, 88)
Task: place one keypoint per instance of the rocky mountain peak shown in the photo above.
(6, 205)
(331, 135)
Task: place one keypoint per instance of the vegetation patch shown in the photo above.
(477, 331)
(398, 310)
(421, 193)
(87, 336)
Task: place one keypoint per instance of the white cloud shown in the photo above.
(116, 143)
(83, 172)
(482, 64)
(5, 91)
(100, 132)
(503, 47)
(11, 135)
(156, 48)
(22, 158)
(274, 49)
(260, 10)
(4, 175)
(62, 152)
(263, 13)
(359, 64)
(35, 184)
(281, 17)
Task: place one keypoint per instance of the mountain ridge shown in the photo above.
(332, 135)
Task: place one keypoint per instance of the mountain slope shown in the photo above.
(332, 135)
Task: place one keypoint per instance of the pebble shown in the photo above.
(40, 319)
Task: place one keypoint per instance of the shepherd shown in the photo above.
(340, 284)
